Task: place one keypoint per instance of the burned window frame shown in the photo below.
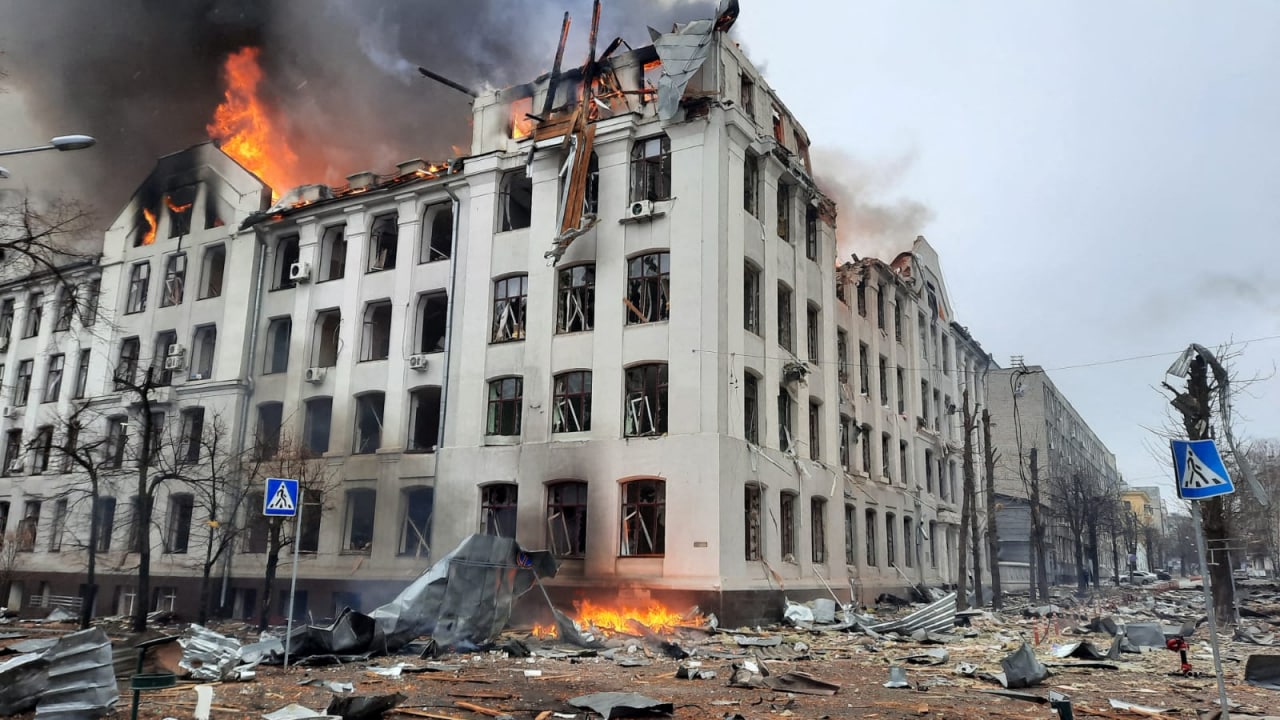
(139, 284)
(429, 250)
(499, 509)
(650, 169)
(384, 242)
(510, 308)
(567, 518)
(374, 406)
(643, 498)
(648, 297)
(576, 301)
(415, 535)
(333, 253)
(788, 526)
(421, 418)
(751, 315)
(753, 522)
(276, 358)
(513, 187)
(504, 406)
(571, 399)
(818, 530)
(375, 342)
(352, 498)
(648, 381)
(213, 266)
(751, 408)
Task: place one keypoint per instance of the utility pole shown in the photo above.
(966, 505)
(993, 539)
(1041, 579)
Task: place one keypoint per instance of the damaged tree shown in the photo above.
(87, 464)
(1071, 497)
(989, 458)
(1039, 557)
(966, 508)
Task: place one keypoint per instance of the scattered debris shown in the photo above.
(1136, 708)
(933, 656)
(363, 707)
(939, 616)
(294, 711)
(801, 683)
(1019, 670)
(1085, 649)
(330, 685)
(1263, 671)
(1145, 634)
(621, 705)
(208, 655)
(897, 677)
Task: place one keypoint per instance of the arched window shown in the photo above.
(644, 517)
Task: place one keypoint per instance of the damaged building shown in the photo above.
(616, 329)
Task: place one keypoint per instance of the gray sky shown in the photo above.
(1102, 176)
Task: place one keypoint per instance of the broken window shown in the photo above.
(902, 461)
(42, 449)
(784, 211)
(433, 320)
(58, 526)
(498, 509)
(890, 539)
(811, 233)
(117, 440)
(862, 298)
(13, 460)
(886, 469)
(751, 521)
(82, 375)
(567, 518)
(22, 387)
(651, 169)
(66, 307)
(948, 407)
(842, 355)
(53, 380)
(160, 354)
(178, 537)
(644, 517)
(846, 441)
(864, 369)
(376, 341)
(180, 202)
(384, 236)
(419, 504)
(787, 519)
(937, 411)
(751, 185)
(315, 426)
(6, 319)
(850, 514)
(105, 509)
(270, 423)
(279, 332)
(424, 419)
(778, 133)
(747, 95)
(648, 288)
(572, 402)
(437, 233)
(818, 529)
(928, 470)
(515, 201)
(815, 430)
(361, 506)
(333, 253)
(751, 298)
(203, 346)
(154, 429)
(211, 270)
(577, 301)
(510, 297)
(285, 257)
(139, 282)
(28, 526)
(591, 198)
(870, 521)
(842, 290)
(192, 434)
(880, 311)
(785, 318)
(908, 544)
(884, 381)
(175, 279)
(506, 400)
(933, 544)
(369, 414)
(786, 421)
(751, 408)
(865, 442)
(813, 319)
(35, 313)
(924, 336)
(327, 341)
(897, 317)
(645, 411)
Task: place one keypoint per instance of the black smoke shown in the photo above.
(143, 76)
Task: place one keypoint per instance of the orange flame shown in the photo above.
(245, 130)
(174, 207)
(655, 616)
(521, 123)
(150, 236)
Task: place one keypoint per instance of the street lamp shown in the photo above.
(61, 143)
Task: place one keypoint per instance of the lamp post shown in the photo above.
(61, 143)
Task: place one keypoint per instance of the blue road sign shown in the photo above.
(1200, 471)
(281, 498)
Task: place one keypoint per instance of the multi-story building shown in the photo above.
(615, 329)
(1037, 421)
(1149, 514)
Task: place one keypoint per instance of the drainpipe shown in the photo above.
(248, 393)
(448, 319)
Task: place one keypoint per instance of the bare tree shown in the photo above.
(39, 240)
(87, 461)
(316, 483)
(10, 564)
(1070, 496)
(967, 502)
(989, 460)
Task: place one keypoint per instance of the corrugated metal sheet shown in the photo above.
(936, 617)
(82, 681)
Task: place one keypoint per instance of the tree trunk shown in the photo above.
(993, 537)
(966, 507)
(1082, 579)
(1216, 531)
(89, 598)
(1041, 579)
(269, 576)
(143, 593)
(1093, 549)
(1115, 558)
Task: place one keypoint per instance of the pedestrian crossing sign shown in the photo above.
(281, 498)
(1201, 474)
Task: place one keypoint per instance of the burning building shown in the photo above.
(614, 328)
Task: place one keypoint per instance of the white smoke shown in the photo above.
(871, 221)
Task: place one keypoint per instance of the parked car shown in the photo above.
(1163, 574)
(1140, 577)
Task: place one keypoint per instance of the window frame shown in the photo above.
(382, 254)
(504, 408)
(651, 381)
(575, 535)
(500, 509)
(138, 287)
(35, 315)
(648, 288)
(577, 282)
(577, 400)
(788, 526)
(55, 370)
(650, 172)
(786, 317)
(633, 499)
(510, 302)
(375, 404)
(209, 270)
(818, 530)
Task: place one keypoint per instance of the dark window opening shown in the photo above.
(279, 334)
(437, 240)
(127, 366)
(850, 537)
(785, 318)
(53, 380)
(42, 449)
(784, 211)
(818, 529)
(498, 509)
(577, 302)
(786, 421)
(567, 518)
(753, 549)
(180, 203)
(842, 356)
(433, 319)
(376, 342)
(203, 347)
(384, 237)
(751, 185)
(815, 431)
(862, 298)
(315, 426)
(117, 441)
(312, 510)
(105, 509)
(811, 235)
(751, 409)
(424, 419)
(419, 504)
(751, 299)
(515, 201)
(28, 526)
(814, 340)
(747, 95)
(178, 537)
(82, 375)
(651, 169)
(506, 400)
(175, 280)
(869, 522)
(215, 260)
(886, 467)
(67, 302)
(644, 517)
(908, 543)
(333, 253)
(270, 423)
(510, 298)
(890, 540)
(161, 361)
(884, 381)
(369, 414)
(361, 507)
(35, 313)
(572, 402)
(846, 440)
(591, 198)
(646, 400)
(192, 434)
(287, 254)
(648, 288)
(327, 341)
(787, 519)
(139, 283)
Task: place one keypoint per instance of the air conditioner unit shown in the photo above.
(417, 362)
(315, 375)
(16, 467)
(174, 362)
(300, 272)
(641, 209)
(9, 412)
(176, 350)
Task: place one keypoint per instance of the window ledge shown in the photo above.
(575, 436)
(502, 440)
(631, 323)
(504, 342)
(372, 360)
(365, 553)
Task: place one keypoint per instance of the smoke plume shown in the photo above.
(143, 76)
(871, 222)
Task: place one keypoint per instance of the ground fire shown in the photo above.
(654, 616)
(244, 128)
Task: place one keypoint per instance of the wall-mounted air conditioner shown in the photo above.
(176, 350)
(417, 362)
(641, 210)
(314, 375)
(300, 272)
(175, 362)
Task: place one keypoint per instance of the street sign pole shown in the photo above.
(1208, 602)
(293, 586)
